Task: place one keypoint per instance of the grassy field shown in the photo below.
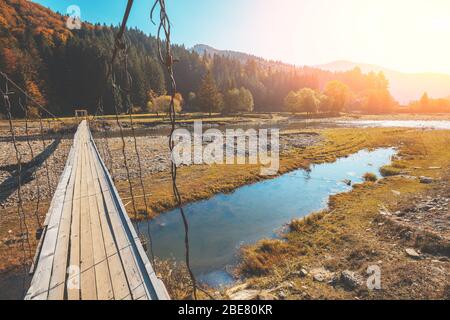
(152, 119)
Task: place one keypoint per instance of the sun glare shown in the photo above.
(409, 36)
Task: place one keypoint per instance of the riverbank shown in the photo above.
(201, 182)
(418, 149)
(398, 225)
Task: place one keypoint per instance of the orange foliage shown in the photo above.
(9, 58)
(18, 15)
(34, 92)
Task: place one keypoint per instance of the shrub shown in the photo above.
(370, 177)
(33, 112)
(388, 171)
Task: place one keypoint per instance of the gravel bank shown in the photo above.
(153, 150)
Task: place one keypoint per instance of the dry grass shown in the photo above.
(352, 234)
(370, 177)
(203, 181)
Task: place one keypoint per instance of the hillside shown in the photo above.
(405, 87)
(201, 49)
(65, 70)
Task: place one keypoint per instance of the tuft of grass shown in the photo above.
(389, 171)
(370, 177)
(261, 261)
(352, 236)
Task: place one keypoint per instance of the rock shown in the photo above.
(264, 295)
(412, 253)
(303, 272)
(236, 288)
(321, 275)
(282, 295)
(347, 182)
(350, 280)
(245, 295)
(426, 180)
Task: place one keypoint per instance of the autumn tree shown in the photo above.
(424, 102)
(376, 98)
(238, 100)
(161, 104)
(304, 100)
(338, 94)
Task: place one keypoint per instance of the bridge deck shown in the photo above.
(90, 249)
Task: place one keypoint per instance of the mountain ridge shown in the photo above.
(405, 87)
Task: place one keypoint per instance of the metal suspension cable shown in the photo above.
(105, 145)
(20, 210)
(128, 84)
(41, 126)
(117, 98)
(40, 106)
(44, 147)
(167, 60)
(38, 188)
(118, 45)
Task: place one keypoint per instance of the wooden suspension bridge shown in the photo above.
(89, 249)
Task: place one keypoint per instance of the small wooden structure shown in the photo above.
(89, 247)
(81, 114)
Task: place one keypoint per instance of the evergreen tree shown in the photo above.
(208, 96)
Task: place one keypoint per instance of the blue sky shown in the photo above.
(404, 35)
(193, 21)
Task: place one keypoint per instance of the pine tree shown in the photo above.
(208, 96)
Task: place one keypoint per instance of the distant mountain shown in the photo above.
(201, 49)
(405, 87)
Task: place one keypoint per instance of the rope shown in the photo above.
(167, 60)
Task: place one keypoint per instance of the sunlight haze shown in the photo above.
(404, 35)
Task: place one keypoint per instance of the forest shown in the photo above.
(66, 70)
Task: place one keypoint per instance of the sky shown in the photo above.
(405, 35)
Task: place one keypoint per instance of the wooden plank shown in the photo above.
(118, 278)
(40, 283)
(153, 286)
(73, 291)
(104, 254)
(58, 279)
(102, 273)
(87, 269)
(132, 271)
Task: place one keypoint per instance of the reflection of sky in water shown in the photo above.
(219, 226)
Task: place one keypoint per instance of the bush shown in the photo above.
(370, 177)
(388, 171)
(33, 113)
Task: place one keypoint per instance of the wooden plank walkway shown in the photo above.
(89, 249)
